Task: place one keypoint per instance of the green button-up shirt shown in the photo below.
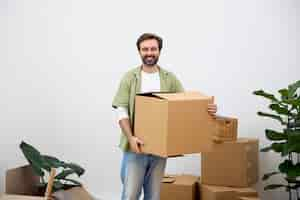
(130, 85)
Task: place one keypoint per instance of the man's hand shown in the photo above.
(135, 144)
(212, 109)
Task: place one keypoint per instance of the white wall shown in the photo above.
(61, 61)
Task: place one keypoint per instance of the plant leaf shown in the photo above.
(73, 181)
(53, 162)
(285, 150)
(57, 185)
(279, 109)
(277, 147)
(275, 136)
(293, 143)
(285, 166)
(284, 93)
(266, 149)
(277, 117)
(274, 186)
(34, 158)
(77, 169)
(294, 171)
(293, 102)
(265, 95)
(268, 175)
(293, 88)
(292, 180)
(64, 174)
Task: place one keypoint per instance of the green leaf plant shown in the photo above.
(42, 164)
(284, 109)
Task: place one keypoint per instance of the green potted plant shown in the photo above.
(42, 164)
(286, 142)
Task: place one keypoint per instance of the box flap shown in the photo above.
(181, 96)
(168, 179)
(181, 179)
(224, 118)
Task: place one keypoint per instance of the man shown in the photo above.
(143, 171)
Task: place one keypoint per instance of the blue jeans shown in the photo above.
(141, 171)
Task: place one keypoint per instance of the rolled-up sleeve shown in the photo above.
(121, 98)
(121, 113)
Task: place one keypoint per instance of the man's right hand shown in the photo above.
(135, 144)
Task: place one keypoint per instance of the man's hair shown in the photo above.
(149, 36)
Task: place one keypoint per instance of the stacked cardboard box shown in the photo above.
(179, 187)
(230, 169)
(226, 128)
(232, 163)
(178, 123)
(189, 187)
(211, 192)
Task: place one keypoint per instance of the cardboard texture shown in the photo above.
(249, 198)
(179, 187)
(75, 193)
(210, 192)
(21, 184)
(233, 163)
(19, 197)
(173, 124)
(226, 128)
(21, 181)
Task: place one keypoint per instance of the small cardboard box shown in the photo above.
(173, 124)
(226, 128)
(233, 163)
(20, 183)
(179, 187)
(210, 192)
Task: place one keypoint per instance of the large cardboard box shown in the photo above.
(20, 183)
(226, 128)
(233, 163)
(173, 124)
(179, 187)
(210, 192)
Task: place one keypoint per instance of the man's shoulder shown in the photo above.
(130, 74)
(168, 73)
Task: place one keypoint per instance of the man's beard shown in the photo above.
(150, 60)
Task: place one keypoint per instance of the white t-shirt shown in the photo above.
(150, 83)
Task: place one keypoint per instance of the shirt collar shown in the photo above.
(162, 73)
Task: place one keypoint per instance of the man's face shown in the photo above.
(149, 52)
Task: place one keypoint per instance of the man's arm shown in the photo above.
(134, 142)
(124, 123)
